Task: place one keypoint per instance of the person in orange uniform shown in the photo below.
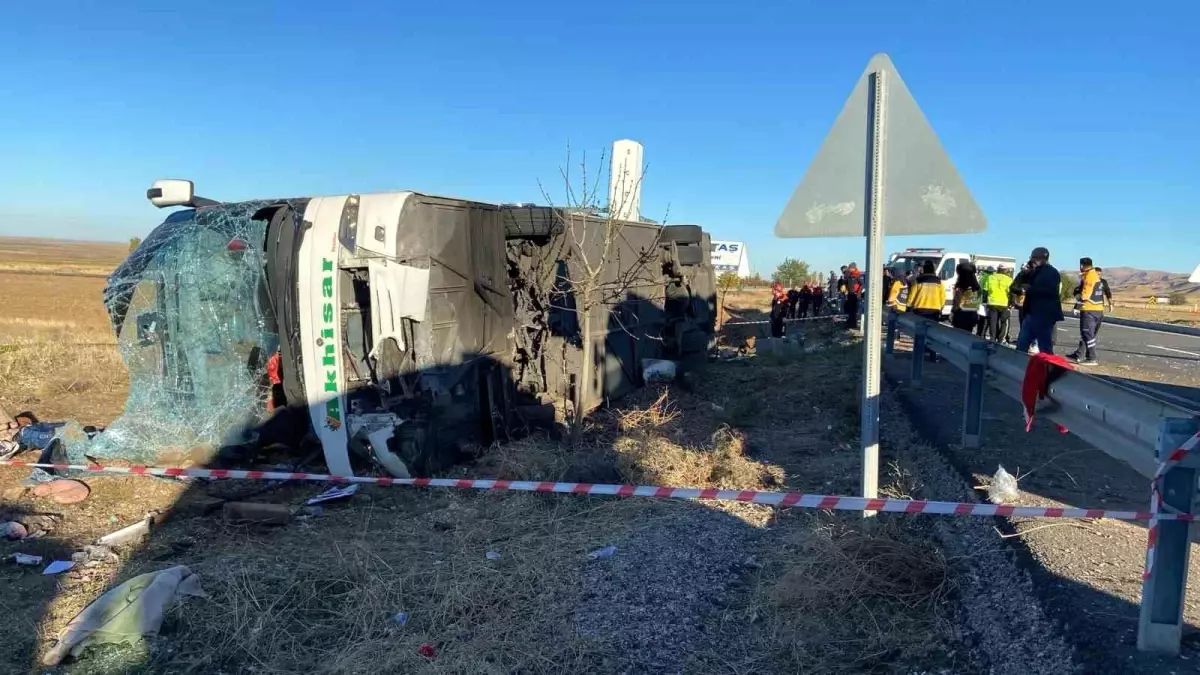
(1090, 301)
(854, 289)
(779, 309)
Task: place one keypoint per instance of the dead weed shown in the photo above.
(838, 598)
(650, 459)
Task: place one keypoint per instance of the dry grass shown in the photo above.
(58, 354)
(658, 414)
(838, 599)
(650, 459)
(321, 597)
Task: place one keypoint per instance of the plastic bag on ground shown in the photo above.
(1003, 488)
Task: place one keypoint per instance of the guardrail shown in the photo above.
(1138, 430)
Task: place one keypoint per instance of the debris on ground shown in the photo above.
(26, 559)
(658, 370)
(62, 491)
(427, 650)
(333, 494)
(126, 614)
(37, 477)
(94, 554)
(128, 534)
(1003, 488)
(13, 531)
(57, 567)
(604, 553)
(256, 513)
(492, 555)
(12, 494)
(17, 526)
(400, 618)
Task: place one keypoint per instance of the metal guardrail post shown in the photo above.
(890, 345)
(1160, 622)
(920, 331)
(972, 433)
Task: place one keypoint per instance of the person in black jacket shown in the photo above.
(1042, 305)
(968, 297)
(806, 296)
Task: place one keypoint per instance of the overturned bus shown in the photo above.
(394, 326)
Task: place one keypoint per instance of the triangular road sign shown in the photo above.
(923, 193)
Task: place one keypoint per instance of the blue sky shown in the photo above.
(1071, 122)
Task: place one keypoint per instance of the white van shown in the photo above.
(945, 263)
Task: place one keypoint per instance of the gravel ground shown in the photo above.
(1006, 625)
(648, 599)
(1086, 574)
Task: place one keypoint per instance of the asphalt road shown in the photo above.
(1165, 365)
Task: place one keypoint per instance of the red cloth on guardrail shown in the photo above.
(1043, 369)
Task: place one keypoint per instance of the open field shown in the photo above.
(60, 257)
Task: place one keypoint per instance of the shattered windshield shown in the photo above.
(195, 330)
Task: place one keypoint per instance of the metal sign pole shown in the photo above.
(873, 325)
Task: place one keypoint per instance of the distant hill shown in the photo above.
(1129, 281)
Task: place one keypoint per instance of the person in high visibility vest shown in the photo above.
(897, 296)
(1090, 301)
(926, 297)
(981, 324)
(997, 291)
(968, 298)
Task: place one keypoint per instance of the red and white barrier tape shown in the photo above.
(1156, 502)
(809, 318)
(793, 499)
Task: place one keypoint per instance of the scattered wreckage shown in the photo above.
(398, 326)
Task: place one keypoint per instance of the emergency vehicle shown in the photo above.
(945, 264)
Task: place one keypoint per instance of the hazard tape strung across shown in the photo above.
(1156, 502)
(810, 318)
(792, 499)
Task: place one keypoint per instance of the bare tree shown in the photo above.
(725, 283)
(602, 269)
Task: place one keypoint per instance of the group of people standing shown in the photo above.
(983, 302)
(795, 303)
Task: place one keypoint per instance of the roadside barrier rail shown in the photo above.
(1155, 438)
